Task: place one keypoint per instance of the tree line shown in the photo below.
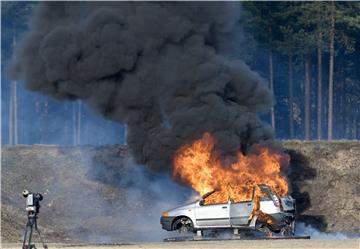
(317, 41)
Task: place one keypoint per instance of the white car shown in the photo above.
(196, 216)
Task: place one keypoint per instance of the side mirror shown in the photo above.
(201, 203)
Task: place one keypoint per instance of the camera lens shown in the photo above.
(25, 193)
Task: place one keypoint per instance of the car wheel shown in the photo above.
(260, 226)
(183, 225)
(288, 230)
(267, 229)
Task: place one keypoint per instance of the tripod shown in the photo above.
(30, 225)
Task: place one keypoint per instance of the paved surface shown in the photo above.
(246, 244)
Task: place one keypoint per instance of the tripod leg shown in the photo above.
(25, 235)
(41, 238)
(30, 235)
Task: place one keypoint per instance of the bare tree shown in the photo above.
(354, 126)
(271, 86)
(319, 86)
(13, 122)
(291, 94)
(77, 112)
(331, 71)
(307, 96)
(125, 133)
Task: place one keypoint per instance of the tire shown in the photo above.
(183, 225)
(263, 228)
(288, 230)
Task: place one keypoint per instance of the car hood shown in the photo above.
(182, 207)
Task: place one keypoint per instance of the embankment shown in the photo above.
(87, 195)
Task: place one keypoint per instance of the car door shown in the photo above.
(240, 212)
(216, 215)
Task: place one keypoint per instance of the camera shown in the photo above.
(32, 208)
(32, 201)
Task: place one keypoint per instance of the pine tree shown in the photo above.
(259, 18)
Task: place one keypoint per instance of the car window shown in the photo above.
(207, 201)
(263, 191)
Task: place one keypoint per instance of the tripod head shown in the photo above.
(32, 202)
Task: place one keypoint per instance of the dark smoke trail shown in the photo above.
(156, 66)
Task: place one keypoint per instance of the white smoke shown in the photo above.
(303, 229)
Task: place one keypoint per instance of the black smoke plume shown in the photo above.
(157, 66)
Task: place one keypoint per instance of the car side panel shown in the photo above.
(216, 215)
(240, 212)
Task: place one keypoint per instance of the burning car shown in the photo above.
(265, 212)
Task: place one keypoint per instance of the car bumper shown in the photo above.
(166, 222)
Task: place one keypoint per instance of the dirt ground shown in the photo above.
(283, 244)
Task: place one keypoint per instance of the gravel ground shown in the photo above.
(283, 244)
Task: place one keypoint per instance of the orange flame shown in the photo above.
(196, 165)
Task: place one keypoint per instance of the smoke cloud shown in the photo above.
(157, 66)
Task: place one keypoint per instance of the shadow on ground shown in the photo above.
(300, 172)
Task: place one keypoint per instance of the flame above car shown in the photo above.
(199, 165)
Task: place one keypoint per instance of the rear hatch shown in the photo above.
(282, 204)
